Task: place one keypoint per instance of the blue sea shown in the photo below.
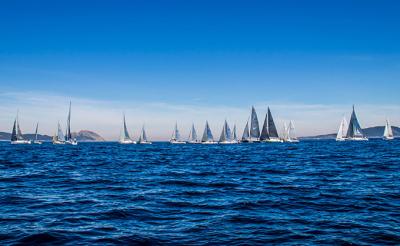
(312, 192)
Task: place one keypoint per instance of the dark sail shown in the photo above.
(194, 134)
(264, 131)
(36, 131)
(207, 135)
(254, 126)
(222, 138)
(354, 127)
(14, 131)
(234, 137)
(68, 135)
(273, 133)
(126, 133)
(246, 134)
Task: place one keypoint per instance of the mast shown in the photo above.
(254, 126)
(36, 131)
(68, 135)
(272, 131)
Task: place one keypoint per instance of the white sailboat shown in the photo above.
(290, 134)
(207, 135)
(234, 135)
(269, 132)
(16, 134)
(388, 133)
(125, 138)
(143, 137)
(176, 136)
(37, 141)
(68, 135)
(58, 137)
(355, 132)
(226, 134)
(193, 136)
(341, 135)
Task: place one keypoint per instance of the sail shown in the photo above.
(254, 127)
(175, 134)
(354, 129)
(264, 131)
(272, 131)
(291, 133)
(222, 138)
(143, 136)
(246, 133)
(234, 136)
(60, 135)
(207, 135)
(285, 131)
(36, 131)
(14, 131)
(193, 134)
(125, 133)
(68, 135)
(388, 133)
(228, 132)
(342, 131)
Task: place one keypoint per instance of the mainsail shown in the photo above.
(254, 127)
(176, 136)
(272, 131)
(143, 136)
(226, 134)
(246, 132)
(60, 135)
(354, 130)
(193, 134)
(14, 131)
(388, 133)
(234, 136)
(207, 135)
(68, 135)
(125, 134)
(342, 131)
(264, 132)
(291, 135)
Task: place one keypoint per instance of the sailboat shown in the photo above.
(193, 136)
(269, 132)
(226, 134)
(16, 134)
(58, 137)
(290, 134)
(143, 137)
(388, 133)
(234, 136)
(37, 141)
(246, 133)
(176, 136)
(68, 135)
(207, 135)
(341, 135)
(125, 138)
(354, 132)
(254, 127)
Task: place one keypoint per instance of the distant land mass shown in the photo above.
(370, 132)
(82, 136)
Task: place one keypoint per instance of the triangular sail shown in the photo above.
(272, 131)
(222, 138)
(125, 133)
(264, 131)
(246, 132)
(342, 131)
(193, 134)
(291, 132)
(228, 133)
(68, 135)
(388, 133)
(207, 135)
(14, 131)
(60, 135)
(354, 129)
(254, 126)
(175, 134)
(234, 136)
(143, 136)
(36, 131)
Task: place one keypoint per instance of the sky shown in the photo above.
(163, 62)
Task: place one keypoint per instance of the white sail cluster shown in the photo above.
(126, 139)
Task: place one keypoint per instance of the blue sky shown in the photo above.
(200, 54)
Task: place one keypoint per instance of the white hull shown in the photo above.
(388, 138)
(209, 142)
(176, 142)
(37, 142)
(357, 139)
(273, 140)
(193, 142)
(21, 142)
(58, 142)
(340, 139)
(127, 142)
(228, 142)
(144, 142)
(72, 142)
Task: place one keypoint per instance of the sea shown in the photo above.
(316, 192)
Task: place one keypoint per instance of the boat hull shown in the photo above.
(357, 139)
(58, 142)
(21, 142)
(273, 140)
(388, 138)
(176, 142)
(209, 142)
(127, 142)
(37, 142)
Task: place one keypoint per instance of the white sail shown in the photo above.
(341, 134)
(176, 136)
(207, 135)
(388, 133)
(192, 135)
(143, 137)
(291, 132)
(60, 135)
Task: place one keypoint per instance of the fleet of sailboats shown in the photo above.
(348, 131)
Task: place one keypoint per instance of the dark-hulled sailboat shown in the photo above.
(355, 132)
(269, 132)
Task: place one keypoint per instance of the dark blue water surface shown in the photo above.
(313, 192)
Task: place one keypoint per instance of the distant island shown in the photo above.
(81, 136)
(370, 132)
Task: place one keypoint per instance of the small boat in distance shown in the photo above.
(234, 135)
(143, 137)
(176, 136)
(254, 127)
(388, 133)
(341, 135)
(355, 132)
(290, 134)
(226, 134)
(16, 134)
(246, 133)
(193, 136)
(125, 138)
(269, 132)
(58, 137)
(37, 141)
(68, 135)
(207, 135)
